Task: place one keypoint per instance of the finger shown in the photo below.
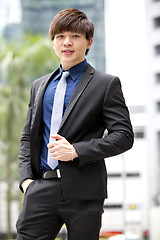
(52, 144)
(57, 137)
(54, 155)
(53, 150)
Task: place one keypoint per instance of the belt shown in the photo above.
(51, 174)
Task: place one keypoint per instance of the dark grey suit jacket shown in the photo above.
(97, 104)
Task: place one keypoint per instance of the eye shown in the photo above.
(75, 36)
(59, 36)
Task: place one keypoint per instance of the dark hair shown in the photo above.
(71, 20)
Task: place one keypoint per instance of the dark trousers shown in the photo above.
(45, 211)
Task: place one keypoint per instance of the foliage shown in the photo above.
(21, 63)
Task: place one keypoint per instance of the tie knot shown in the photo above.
(65, 74)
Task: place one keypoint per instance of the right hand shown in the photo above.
(26, 183)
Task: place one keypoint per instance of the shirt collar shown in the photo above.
(59, 73)
(75, 71)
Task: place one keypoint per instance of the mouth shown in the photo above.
(68, 52)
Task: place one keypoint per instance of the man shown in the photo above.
(62, 172)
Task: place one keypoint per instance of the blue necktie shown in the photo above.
(57, 113)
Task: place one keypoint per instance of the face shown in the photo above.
(71, 47)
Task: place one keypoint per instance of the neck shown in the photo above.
(67, 66)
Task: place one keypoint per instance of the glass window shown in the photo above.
(158, 163)
(157, 49)
(156, 22)
(158, 77)
(139, 134)
(158, 106)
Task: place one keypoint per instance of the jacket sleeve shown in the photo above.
(25, 171)
(119, 137)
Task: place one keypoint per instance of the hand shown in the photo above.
(61, 149)
(25, 184)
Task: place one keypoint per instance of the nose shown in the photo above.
(67, 41)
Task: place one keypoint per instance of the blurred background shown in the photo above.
(126, 44)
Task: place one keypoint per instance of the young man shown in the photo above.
(62, 171)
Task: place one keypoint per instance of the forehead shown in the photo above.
(72, 27)
(70, 33)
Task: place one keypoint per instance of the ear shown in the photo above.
(53, 43)
(90, 42)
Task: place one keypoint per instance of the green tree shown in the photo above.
(21, 63)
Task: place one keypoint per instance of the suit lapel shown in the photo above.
(86, 78)
(37, 110)
(38, 103)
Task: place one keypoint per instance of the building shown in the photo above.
(136, 194)
(10, 19)
(153, 133)
(127, 208)
(153, 112)
(38, 14)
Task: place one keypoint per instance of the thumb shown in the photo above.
(57, 137)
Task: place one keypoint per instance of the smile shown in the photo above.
(68, 52)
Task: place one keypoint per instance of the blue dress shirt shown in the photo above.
(75, 74)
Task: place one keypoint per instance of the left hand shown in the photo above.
(61, 149)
